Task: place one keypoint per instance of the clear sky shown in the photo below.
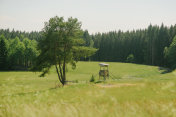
(95, 15)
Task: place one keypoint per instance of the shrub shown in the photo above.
(130, 58)
(92, 79)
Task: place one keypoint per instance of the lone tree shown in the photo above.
(61, 44)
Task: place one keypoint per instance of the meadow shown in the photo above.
(131, 91)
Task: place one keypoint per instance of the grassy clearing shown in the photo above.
(139, 91)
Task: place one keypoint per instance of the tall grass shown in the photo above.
(24, 94)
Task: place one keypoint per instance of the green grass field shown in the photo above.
(135, 91)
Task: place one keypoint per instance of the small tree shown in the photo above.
(92, 79)
(130, 58)
(62, 44)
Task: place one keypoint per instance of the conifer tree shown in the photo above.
(3, 53)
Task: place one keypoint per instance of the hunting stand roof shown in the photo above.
(103, 65)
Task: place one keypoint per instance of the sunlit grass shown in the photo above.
(138, 91)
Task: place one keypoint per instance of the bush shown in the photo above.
(130, 58)
(92, 79)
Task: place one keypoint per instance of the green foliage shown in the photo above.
(130, 58)
(22, 53)
(62, 44)
(147, 45)
(30, 52)
(88, 40)
(17, 54)
(92, 79)
(170, 54)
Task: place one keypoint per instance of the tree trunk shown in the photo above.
(63, 68)
(64, 74)
(59, 76)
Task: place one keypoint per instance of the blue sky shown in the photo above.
(95, 15)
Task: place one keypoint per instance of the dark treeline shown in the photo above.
(151, 46)
(139, 46)
(34, 35)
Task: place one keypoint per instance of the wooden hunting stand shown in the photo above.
(104, 72)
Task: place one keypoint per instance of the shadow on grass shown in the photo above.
(164, 70)
(16, 71)
(100, 81)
